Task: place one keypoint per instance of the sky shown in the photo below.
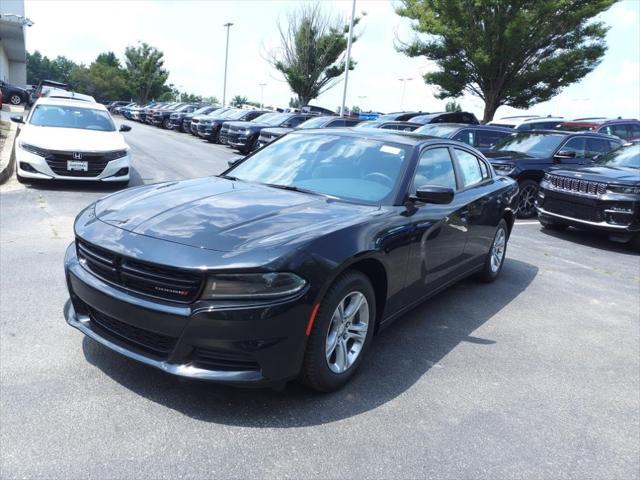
(192, 37)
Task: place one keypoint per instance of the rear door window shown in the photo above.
(465, 136)
(487, 139)
(470, 168)
(596, 146)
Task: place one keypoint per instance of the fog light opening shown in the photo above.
(27, 167)
(123, 171)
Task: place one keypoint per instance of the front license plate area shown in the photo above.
(77, 165)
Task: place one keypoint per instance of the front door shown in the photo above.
(439, 232)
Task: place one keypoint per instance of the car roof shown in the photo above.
(70, 102)
(597, 121)
(569, 133)
(395, 136)
(494, 128)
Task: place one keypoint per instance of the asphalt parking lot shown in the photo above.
(534, 376)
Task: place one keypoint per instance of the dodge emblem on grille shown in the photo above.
(77, 155)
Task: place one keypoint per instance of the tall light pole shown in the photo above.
(226, 58)
(262, 85)
(346, 67)
(404, 85)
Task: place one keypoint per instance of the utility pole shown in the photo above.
(346, 68)
(226, 59)
(404, 85)
(262, 85)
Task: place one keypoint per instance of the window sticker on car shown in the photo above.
(390, 149)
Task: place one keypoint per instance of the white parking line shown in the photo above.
(535, 222)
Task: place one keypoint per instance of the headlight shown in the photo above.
(503, 168)
(33, 149)
(623, 189)
(252, 285)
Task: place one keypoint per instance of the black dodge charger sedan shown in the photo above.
(525, 157)
(286, 265)
(602, 196)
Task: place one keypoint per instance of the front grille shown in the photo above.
(584, 187)
(233, 137)
(225, 361)
(140, 277)
(149, 342)
(573, 210)
(224, 134)
(96, 162)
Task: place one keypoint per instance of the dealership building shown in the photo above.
(13, 54)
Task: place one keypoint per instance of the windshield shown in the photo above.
(203, 110)
(575, 128)
(65, 116)
(234, 114)
(437, 130)
(423, 118)
(369, 124)
(315, 123)
(182, 108)
(533, 144)
(264, 117)
(356, 169)
(622, 157)
(277, 119)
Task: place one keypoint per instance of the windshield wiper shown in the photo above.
(229, 177)
(293, 188)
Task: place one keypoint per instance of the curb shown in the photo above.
(7, 155)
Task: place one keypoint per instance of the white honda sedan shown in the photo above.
(63, 139)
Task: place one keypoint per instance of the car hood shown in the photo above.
(507, 155)
(600, 173)
(71, 139)
(250, 125)
(224, 215)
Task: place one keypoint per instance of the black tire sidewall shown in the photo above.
(521, 186)
(316, 372)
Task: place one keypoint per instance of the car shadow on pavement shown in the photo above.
(400, 356)
(593, 239)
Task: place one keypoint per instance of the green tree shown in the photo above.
(40, 67)
(109, 59)
(146, 76)
(453, 106)
(294, 102)
(239, 100)
(190, 97)
(507, 52)
(311, 55)
(355, 109)
(212, 100)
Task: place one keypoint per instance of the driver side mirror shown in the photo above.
(286, 125)
(234, 161)
(565, 154)
(17, 119)
(434, 194)
(125, 128)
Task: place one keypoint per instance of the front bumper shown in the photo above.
(614, 213)
(44, 172)
(259, 344)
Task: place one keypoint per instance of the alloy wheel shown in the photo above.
(347, 332)
(15, 100)
(526, 202)
(498, 249)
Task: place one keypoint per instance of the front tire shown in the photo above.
(15, 99)
(165, 124)
(341, 334)
(497, 253)
(527, 198)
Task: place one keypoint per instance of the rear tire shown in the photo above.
(21, 179)
(497, 253)
(15, 99)
(527, 198)
(341, 333)
(551, 225)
